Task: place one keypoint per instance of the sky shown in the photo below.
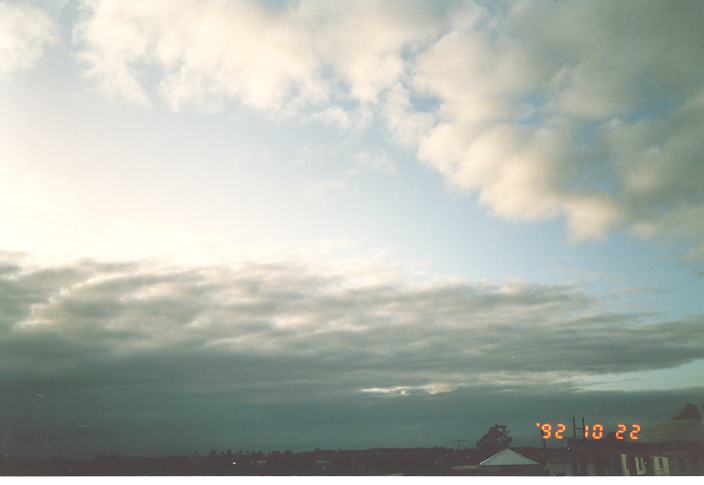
(309, 224)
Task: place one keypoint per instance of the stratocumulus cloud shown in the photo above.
(240, 176)
(359, 331)
(370, 331)
(114, 337)
(587, 111)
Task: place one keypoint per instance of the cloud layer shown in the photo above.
(353, 327)
(78, 337)
(587, 111)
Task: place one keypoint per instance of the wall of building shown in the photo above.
(559, 468)
(661, 465)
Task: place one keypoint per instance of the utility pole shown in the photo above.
(459, 443)
(545, 445)
(578, 465)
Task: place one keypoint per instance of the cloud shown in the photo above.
(209, 52)
(366, 43)
(406, 123)
(138, 346)
(333, 115)
(25, 32)
(352, 327)
(206, 51)
(373, 162)
(430, 389)
(568, 110)
(544, 110)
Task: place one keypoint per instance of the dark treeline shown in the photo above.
(381, 461)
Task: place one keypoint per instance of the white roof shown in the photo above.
(507, 457)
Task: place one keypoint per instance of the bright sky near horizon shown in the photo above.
(372, 207)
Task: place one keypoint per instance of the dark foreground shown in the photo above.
(581, 457)
(406, 461)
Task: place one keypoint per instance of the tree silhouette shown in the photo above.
(494, 440)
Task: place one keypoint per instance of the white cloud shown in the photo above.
(364, 41)
(210, 52)
(544, 109)
(25, 32)
(206, 51)
(373, 162)
(333, 115)
(566, 110)
(405, 123)
(430, 389)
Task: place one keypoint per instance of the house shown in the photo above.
(675, 447)
(556, 461)
(505, 462)
(672, 448)
(679, 444)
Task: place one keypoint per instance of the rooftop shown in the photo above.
(681, 430)
(507, 457)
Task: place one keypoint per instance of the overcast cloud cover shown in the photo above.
(590, 114)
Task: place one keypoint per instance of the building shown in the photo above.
(680, 443)
(556, 462)
(672, 448)
(675, 447)
(505, 462)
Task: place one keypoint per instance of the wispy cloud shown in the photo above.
(374, 163)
